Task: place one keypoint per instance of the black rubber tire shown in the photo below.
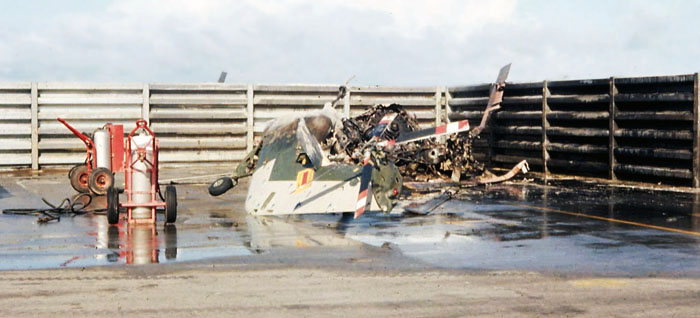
(112, 205)
(79, 178)
(72, 170)
(220, 186)
(170, 204)
(100, 180)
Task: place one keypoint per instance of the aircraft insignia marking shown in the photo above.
(304, 178)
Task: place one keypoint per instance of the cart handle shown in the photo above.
(141, 123)
(85, 139)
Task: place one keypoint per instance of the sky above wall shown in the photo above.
(393, 42)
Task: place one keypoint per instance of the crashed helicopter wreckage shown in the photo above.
(321, 162)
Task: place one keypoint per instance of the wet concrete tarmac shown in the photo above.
(564, 226)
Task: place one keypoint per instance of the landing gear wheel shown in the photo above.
(100, 180)
(170, 204)
(78, 176)
(221, 185)
(112, 205)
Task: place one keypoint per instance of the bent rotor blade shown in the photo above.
(222, 77)
(496, 94)
(495, 99)
(446, 129)
(503, 74)
(365, 195)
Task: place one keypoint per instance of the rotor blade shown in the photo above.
(364, 198)
(222, 77)
(503, 74)
(349, 79)
(446, 129)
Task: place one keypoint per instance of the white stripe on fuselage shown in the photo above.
(361, 203)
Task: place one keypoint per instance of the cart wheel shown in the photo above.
(221, 185)
(112, 205)
(79, 178)
(170, 204)
(73, 169)
(100, 180)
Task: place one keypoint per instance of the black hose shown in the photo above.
(72, 206)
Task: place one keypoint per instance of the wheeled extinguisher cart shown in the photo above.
(104, 156)
(141, 182)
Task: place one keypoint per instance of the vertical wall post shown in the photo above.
(346, 102)
(448, 97)
(612, 127)
(545, 126)
(696, 134)
(438, 106)
(35, 125)
(250, 119)
(695, 213)
(146, 108)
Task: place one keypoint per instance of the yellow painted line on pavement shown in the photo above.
(602, 218)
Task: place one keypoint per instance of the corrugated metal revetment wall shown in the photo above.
(194, 122)
(198, 122)
(640, 129)
(636, 129)
(86, 107)
(16, 124)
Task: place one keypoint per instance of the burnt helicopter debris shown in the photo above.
(419, 160)
(321, 162)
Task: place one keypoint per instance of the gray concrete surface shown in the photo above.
(568, 248)
(294, 291)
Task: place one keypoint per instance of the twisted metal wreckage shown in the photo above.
(320, 162)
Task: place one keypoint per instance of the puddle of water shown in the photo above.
(89, 241)
(499, 227)
(3, 192)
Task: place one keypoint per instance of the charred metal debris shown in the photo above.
(420, 160)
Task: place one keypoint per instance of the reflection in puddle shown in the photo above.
(170, 231)
(139, 243)
(268, 232)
